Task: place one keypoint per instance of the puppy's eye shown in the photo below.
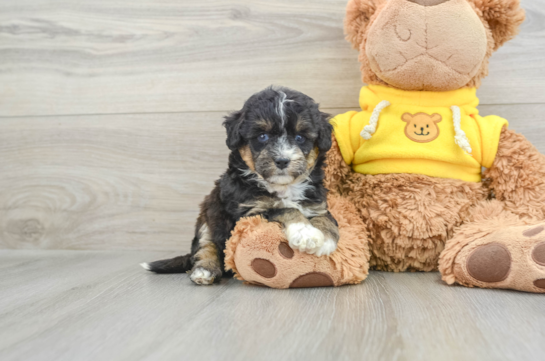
(263, 138)
(300, 139)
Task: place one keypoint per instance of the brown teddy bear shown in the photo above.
(405, 173)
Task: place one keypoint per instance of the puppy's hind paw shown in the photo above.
(304, 237)
(203, 276)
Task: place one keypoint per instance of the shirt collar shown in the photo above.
(372, 95)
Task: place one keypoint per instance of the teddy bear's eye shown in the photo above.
(415, 125)
(427, 125)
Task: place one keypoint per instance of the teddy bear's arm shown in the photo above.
(517, 176)
(337, 171)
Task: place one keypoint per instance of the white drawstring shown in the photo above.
(460, 137)
(370, 129)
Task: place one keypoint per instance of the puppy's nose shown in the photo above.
(428, 2)
(282, 163)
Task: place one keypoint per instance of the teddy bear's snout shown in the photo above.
(424, 46)
(428, 2)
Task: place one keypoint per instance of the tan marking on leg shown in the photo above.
(328, 228)
(315, 210)
(290, 216)
(260, 205)
(207, 255)
(264, 204)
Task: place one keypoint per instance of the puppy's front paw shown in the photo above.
(202, 276)
(305, 237)
(329, 247)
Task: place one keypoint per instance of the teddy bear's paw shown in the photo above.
(513, 258)
(306, 238)
(291, 270)
(285, 267)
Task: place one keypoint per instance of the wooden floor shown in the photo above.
(93, 305)
(110, 137)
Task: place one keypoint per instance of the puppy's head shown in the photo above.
(280, 134)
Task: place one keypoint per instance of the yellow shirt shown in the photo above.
(416, 134)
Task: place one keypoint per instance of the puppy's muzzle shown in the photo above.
(282, 163)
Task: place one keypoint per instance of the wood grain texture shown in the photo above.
(107, 181)
(127, 181)
(86, 305)
(124, 56)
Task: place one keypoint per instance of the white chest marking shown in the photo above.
(291, 196)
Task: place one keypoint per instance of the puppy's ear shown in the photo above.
(503, 17)
(358, 15)
(324, 135)
(232, 124)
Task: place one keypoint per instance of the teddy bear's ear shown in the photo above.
(358, 14)
(436, 118)
(407, 117)
(503, 17)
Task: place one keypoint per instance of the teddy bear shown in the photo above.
(417, 179)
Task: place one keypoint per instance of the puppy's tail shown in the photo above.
(179, 264)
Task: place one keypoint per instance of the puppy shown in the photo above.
(278, 143)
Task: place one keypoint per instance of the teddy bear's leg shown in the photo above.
(496, 248)
(517, 176)
(259, 253)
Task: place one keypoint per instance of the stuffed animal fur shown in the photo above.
(404, 172)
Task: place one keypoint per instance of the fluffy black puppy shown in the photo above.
(278, 143)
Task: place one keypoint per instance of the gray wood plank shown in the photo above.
(127, 181)
(88, 305)
(107, 182)
(122, 56)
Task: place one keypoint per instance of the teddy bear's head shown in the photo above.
(435, 45)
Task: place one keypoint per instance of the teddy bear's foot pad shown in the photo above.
(513, 258)
(264, 268)
(267, 269)
(490, 263)
(313, 279)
